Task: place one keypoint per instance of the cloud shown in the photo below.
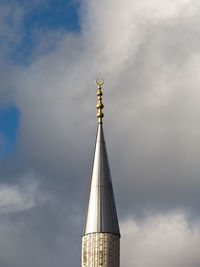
(20, 197)
(148, 54)
(162, 240)
(11, 19)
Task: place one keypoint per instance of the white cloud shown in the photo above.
(160, 241)
(20, 197)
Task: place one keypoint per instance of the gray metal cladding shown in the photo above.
(101, 214)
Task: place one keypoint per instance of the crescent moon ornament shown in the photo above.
(99, 81)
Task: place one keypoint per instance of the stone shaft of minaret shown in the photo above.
(101, 235)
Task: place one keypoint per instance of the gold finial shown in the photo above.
(99, 105)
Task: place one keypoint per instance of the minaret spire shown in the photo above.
(101, 235)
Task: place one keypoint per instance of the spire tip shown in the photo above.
(99, 106)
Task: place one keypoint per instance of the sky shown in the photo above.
(148, 53)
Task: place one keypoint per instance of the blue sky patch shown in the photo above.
(9, 122)
(46, 16)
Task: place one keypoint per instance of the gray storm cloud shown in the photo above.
(148, 53)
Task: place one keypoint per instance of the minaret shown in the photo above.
(101, 235)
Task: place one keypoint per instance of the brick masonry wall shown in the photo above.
(100, 250)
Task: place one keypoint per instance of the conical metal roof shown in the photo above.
(101, 214)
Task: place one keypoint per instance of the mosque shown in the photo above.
(101, 234)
